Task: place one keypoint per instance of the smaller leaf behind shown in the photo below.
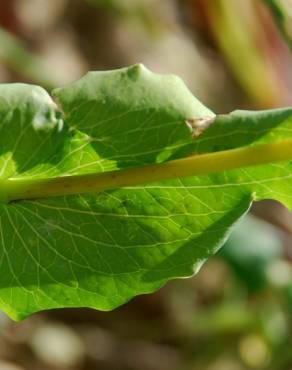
(282, 13)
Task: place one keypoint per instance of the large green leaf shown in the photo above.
(100, 249)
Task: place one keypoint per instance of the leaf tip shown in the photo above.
(136, 70)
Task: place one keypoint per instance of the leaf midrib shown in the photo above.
(14, 189)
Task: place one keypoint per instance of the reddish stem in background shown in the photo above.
(8, 17)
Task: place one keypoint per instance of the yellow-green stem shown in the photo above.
(16, 189)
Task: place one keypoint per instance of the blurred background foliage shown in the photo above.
(236, 314)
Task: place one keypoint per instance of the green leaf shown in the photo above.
(99, 249)
(282, 13)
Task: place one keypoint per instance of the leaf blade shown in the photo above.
(100, 250)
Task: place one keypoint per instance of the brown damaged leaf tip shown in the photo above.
(198, 125)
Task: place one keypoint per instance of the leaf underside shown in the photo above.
(100, 250)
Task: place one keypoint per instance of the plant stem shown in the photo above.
(15, 54)
(20, 189)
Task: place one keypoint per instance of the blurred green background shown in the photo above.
(236, 314)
